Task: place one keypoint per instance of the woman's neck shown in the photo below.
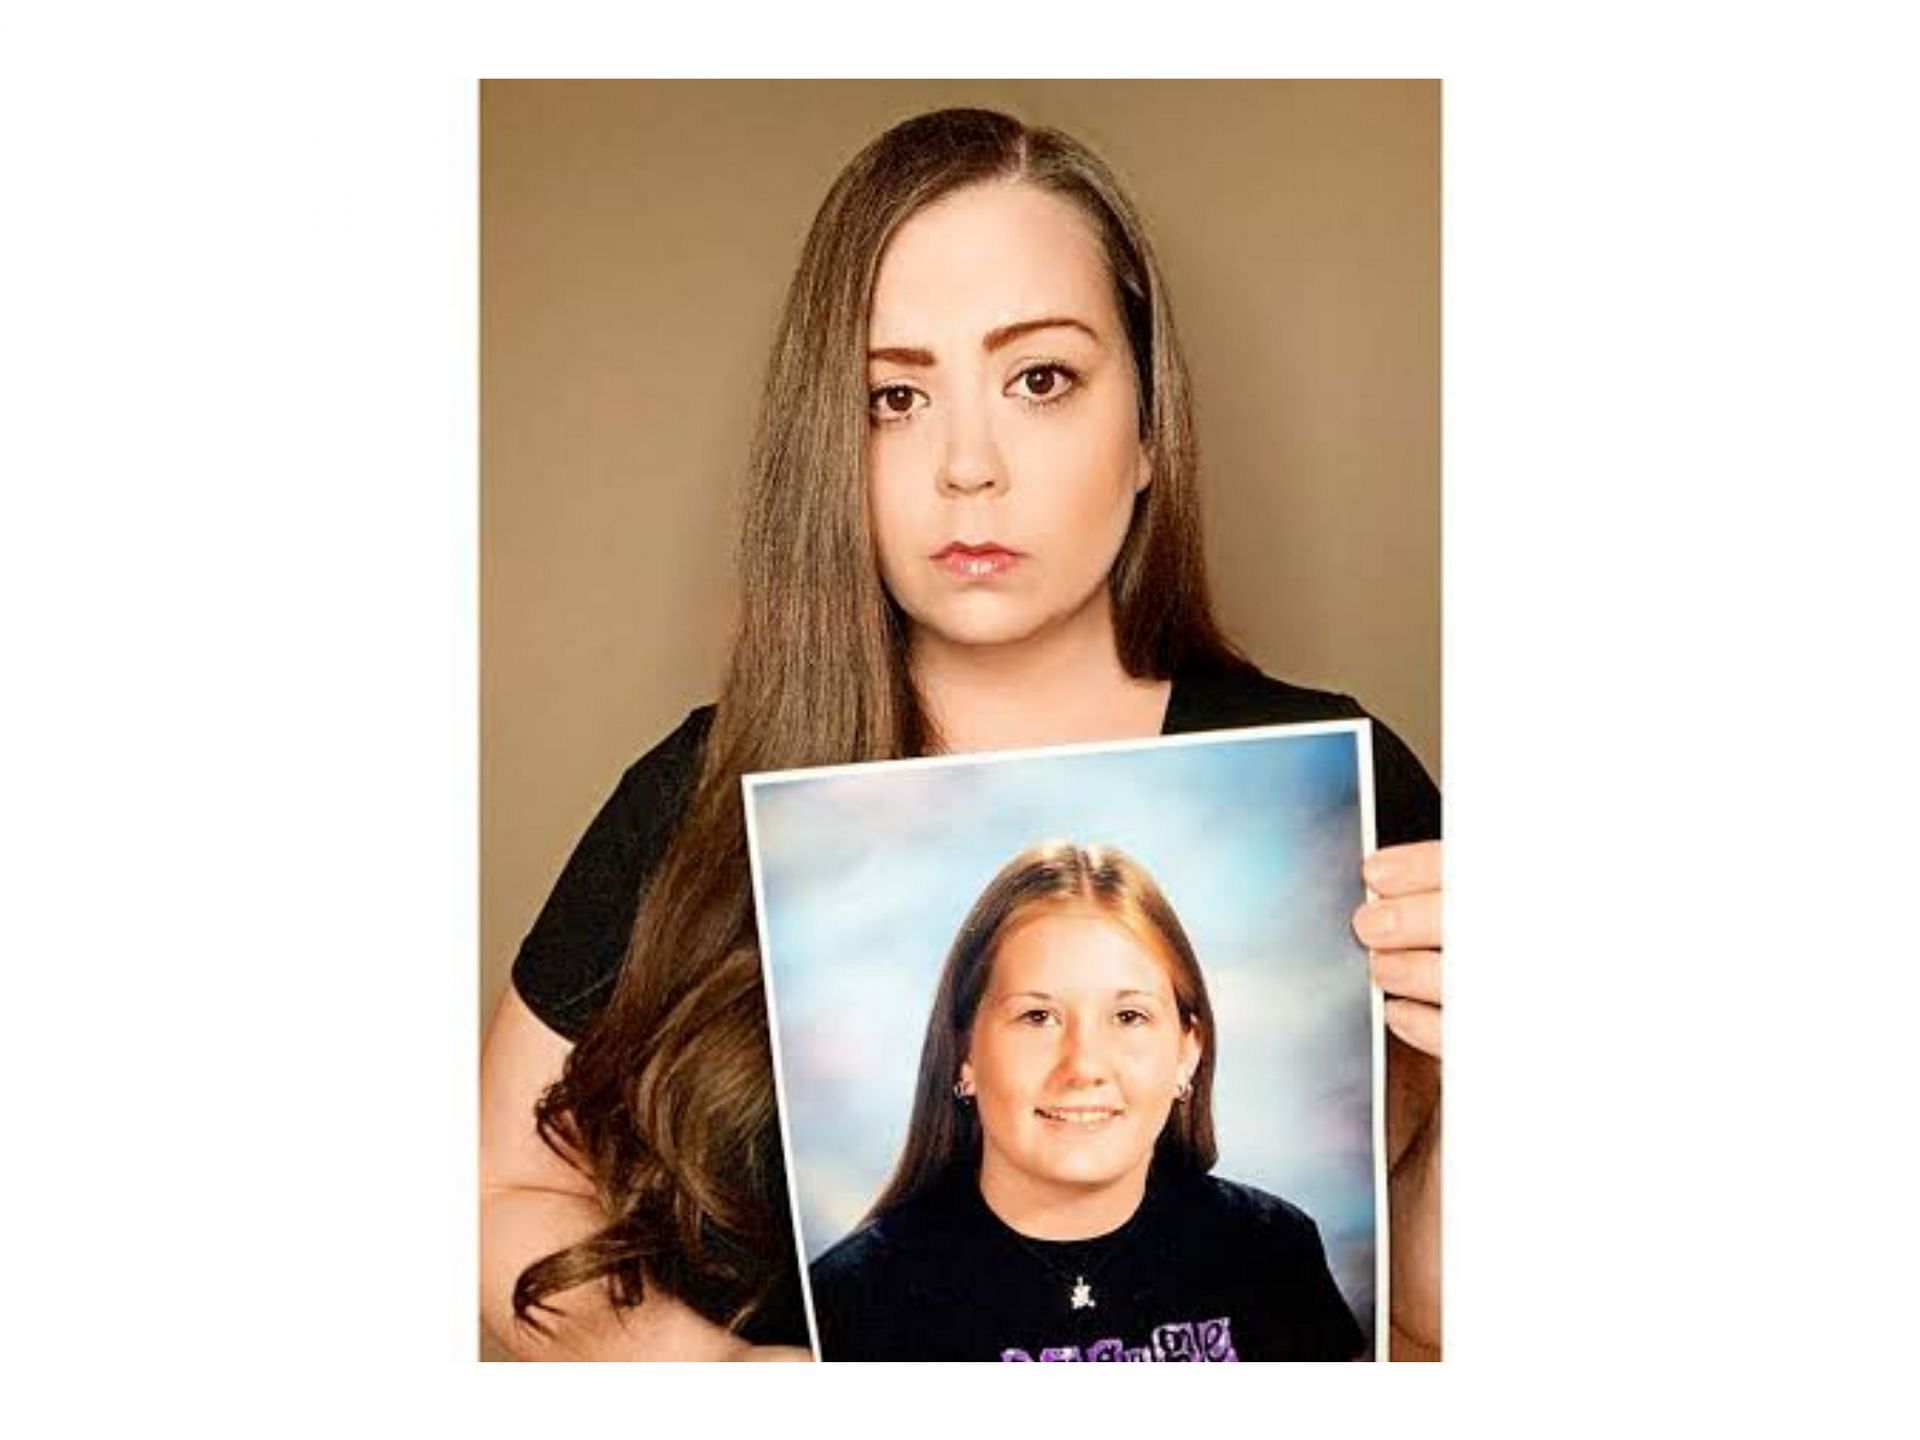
(1059, 687)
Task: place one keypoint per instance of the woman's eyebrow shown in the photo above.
(997, 338)
(1007, 334)
(902, 355)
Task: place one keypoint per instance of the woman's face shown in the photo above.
(1003, 444)
(1077, 1053)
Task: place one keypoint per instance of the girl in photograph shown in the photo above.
(1053, 1200)
(971, 524)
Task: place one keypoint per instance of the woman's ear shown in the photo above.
(966, 1078)
(1190, 1052)
(1143, 471)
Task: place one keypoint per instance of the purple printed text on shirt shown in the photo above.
(1180, 1340)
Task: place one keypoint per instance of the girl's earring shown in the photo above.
(1186, 1089)
(961, 1094)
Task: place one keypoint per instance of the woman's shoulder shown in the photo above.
(652, 794)
(677, 755)
(1225, 693)
(568, 962)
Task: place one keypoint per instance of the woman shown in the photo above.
(1053, 1200)
(971, 524)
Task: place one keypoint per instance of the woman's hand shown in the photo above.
(1401, 929)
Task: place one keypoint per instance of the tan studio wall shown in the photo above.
(636, 238)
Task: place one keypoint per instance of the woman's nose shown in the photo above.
(970, 461)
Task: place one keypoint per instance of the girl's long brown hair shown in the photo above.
(667, 1102)
(943, 1136)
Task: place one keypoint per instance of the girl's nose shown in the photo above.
(1082, 1060)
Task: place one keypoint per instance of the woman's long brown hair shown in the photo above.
(943, 1136)
(667, 1102)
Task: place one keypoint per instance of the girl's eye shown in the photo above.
(1035, 1017)
(1134, 1017)
(1043, 384)
(890, 404)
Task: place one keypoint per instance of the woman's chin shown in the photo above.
(976, 626)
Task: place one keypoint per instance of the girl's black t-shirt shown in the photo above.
(1205, 1270)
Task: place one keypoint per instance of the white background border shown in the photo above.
(239, 751)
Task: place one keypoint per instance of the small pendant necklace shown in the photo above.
(1077, 1280)
(1077, 1265)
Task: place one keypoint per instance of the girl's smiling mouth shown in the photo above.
(1079, 1114)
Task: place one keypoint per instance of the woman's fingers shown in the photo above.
(1416, 1023)
(1401, 926)
(1408, 974)
(1409, 922)
(1404, 869)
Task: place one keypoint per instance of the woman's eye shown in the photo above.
(889, 404)
(1044, 383)
(1135, 1017)
(1035, 1017)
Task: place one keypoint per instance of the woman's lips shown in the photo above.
(976, 562)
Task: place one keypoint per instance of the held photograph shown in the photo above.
(1077, 1057)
